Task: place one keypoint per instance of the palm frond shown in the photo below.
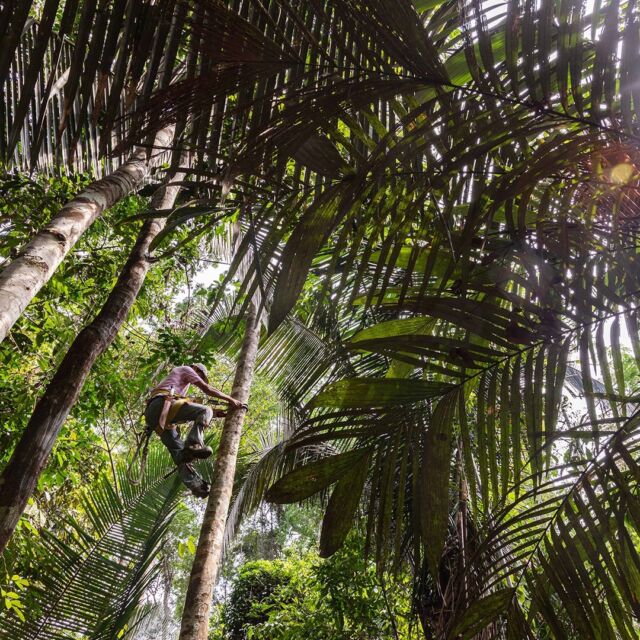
(569, 545)
(63, 100)
(93, 573)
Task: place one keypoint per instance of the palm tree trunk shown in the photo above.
(197, 608)
(19, 477)
(24, 276)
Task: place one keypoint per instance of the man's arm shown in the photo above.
(213, 392)
(216, 393)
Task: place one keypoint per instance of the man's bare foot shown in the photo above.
(202, 491)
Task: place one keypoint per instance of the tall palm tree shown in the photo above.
(206, 563)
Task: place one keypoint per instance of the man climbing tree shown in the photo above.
(168, 405)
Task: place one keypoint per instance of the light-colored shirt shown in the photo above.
(180, 378)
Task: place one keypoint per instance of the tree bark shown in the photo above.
(197, 608)
(19, 478)
(24, 276)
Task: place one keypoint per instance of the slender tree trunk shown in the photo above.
(19, 477)
(167, 575)
(197, 608)
(24, 276)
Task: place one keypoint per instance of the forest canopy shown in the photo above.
(391, 247)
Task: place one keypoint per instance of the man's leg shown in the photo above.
(186, 471)
(201, 416)
(175, 446)
(193, 480)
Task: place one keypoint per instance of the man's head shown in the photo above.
(201, 370)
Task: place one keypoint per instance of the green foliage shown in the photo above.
(89, 576)
(37, 342)
(304, 597)
(254, 592)
(442, 223)
(12, 597)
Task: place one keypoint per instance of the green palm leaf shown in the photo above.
(94, 572)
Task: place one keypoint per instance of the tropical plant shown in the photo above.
(443, 197)
(302, 597)
(208, 555)
(91, 574)
(483, 236)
